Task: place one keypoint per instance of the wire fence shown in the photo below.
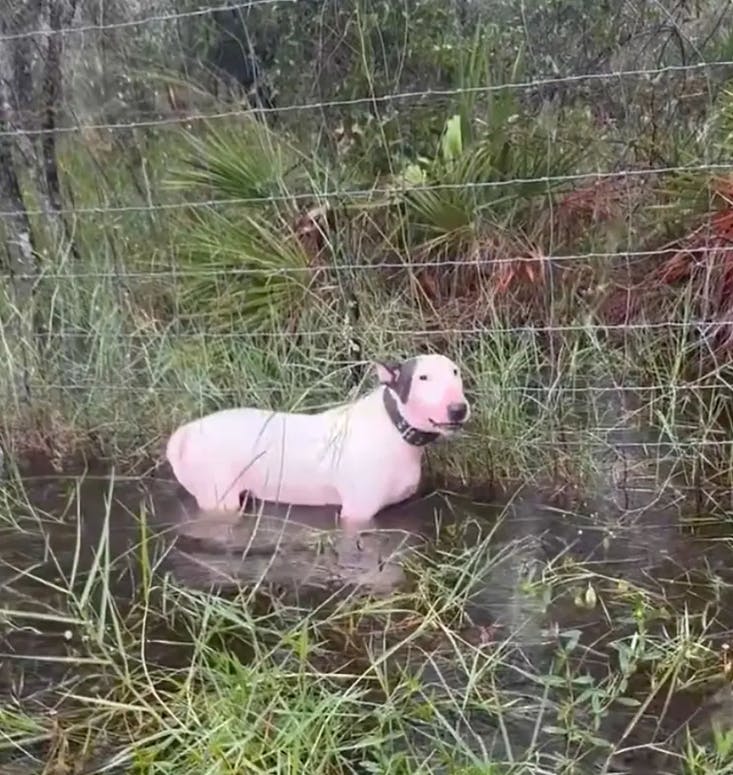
(306, 164)
(369, 193)
(447, 263)
(378, 99)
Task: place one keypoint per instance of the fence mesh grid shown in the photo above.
(193, 191)
(247, 204)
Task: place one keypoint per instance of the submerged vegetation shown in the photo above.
(246, 206)
(501, 654)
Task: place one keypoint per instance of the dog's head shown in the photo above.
(429, 389)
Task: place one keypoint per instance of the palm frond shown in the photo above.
(248, 269)
(248, 163)
(251, 265)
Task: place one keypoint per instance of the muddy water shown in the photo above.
(641, 527)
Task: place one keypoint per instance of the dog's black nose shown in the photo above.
(457, 412)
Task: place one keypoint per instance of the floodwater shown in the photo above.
(633, 531)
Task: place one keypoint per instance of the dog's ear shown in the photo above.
(388, 372)
(397, 376)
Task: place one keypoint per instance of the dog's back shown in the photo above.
(273, 455)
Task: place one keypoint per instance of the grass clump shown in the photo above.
(498, 656)
(544, 241)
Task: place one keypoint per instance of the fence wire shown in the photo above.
(143, 21)
(368, 193)
(376, 99)
(80, 243)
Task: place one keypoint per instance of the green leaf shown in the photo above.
(414, 175)
(451, 145)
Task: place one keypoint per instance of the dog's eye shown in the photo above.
(455, 372)
(423, 377)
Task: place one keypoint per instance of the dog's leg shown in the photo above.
(358, 509)
(231, 501)
(218, 495)
(356, 515)
(207, 502)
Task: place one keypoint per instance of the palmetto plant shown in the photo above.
(248, 262)
(493, 172)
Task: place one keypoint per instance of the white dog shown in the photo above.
(362, 456)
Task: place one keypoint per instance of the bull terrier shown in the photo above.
(361, 456)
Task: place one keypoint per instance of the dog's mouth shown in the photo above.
(447, 426)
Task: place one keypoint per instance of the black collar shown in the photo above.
(413, 436)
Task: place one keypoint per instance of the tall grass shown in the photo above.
(165, 310)
(121, 356)
(509, 649)
(497, 657)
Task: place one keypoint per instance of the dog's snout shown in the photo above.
(457, 412)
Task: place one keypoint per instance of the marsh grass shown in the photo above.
(118, 360)
(567, 669)
(150, 328)
(500, 656)
(581, 673)
(113, 364)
